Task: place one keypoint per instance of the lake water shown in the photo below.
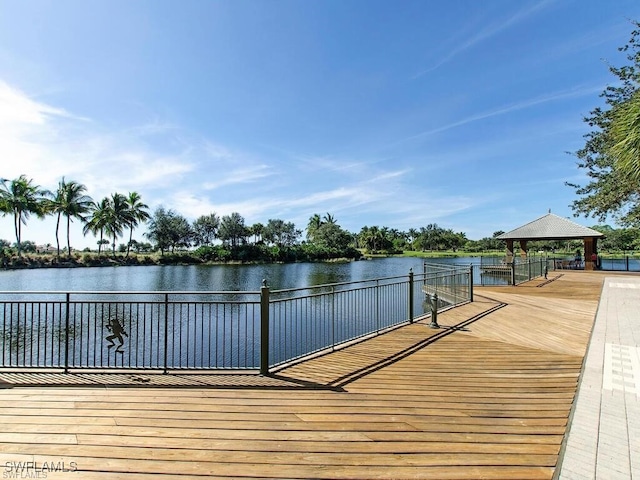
(211, 277)
(205, 328)
(195, 330)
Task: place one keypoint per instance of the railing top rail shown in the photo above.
(129, 292)
(433, 276)
(444, 273)
(340, 284)
(444, 266)
(440, 271)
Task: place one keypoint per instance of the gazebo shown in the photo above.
(553, 227)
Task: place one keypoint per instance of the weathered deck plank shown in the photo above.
(486, 396)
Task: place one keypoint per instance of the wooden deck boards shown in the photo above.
(486, 396)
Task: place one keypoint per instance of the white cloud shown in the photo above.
(19, 112)
(46, 143)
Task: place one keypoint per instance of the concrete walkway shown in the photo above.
(604, 433)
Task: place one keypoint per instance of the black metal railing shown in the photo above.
(450, 284)
(496, 271)
(211, 330)
(620, 263)
(147, 330)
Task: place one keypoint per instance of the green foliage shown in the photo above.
(332, 236)
(141, 247)
(618, 240)
(280, 233)
(205, 229)
(216, 253)
(314, 252)
(232, 229)
(137, 212)
(625, 137)
(69, 201)
(179, 258)
(98, 221)
(610, 189)
(21, 198)
(169, 230)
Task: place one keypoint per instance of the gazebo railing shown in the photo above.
(511, 273)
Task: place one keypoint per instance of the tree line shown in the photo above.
(111, 217)
(226, 238)
(213, 237)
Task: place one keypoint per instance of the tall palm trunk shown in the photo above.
(57, 236)
(130, 238)
(100, 242)
(69, 235)
(18, 226)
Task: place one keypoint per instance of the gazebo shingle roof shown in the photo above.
(550, 227)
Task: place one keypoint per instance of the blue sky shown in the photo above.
(388, 113)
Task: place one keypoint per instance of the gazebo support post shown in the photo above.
(523, 249)
(590, 244)
(509, 258)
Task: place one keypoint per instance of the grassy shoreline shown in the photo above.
(92, 259)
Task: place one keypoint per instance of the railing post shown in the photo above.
(434, 311)
(333, 317)
(411, 295)
(626, 258)
(377, 305)
(66, 334)
(264, 329)
(471, 282)
(529, 267)
(166, 332)
(513, 272)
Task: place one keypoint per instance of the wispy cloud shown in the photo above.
(513, 107)
(19, 112)
(240, 176)
(486, 33)
(328, 162)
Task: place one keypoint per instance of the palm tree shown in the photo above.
(257, 230)
(413, 234)
(21, 198)
(70, 201)
(118, 217)
(315, 222)
(138, 212)
(328, 218)
(97, 223)
(373, 238)
(625, 136)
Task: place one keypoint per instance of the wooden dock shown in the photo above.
(486, 396)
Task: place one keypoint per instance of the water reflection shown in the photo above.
(209, 277)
